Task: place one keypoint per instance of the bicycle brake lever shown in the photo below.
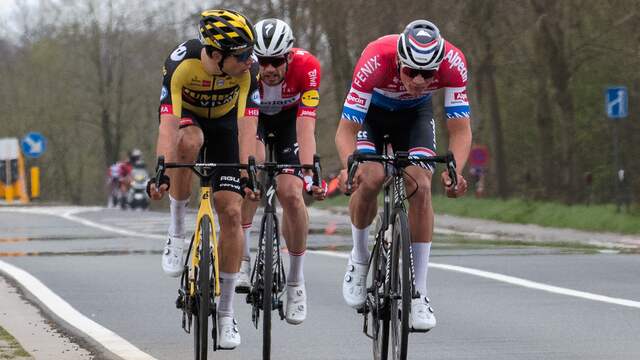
(251, 169)
(350, 167)
(317, 175)
(451, 170)
(160, 168)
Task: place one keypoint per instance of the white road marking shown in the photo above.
(120, 346)
(110, 340)
(69, 214)
(515, 281)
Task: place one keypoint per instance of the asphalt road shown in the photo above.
(115, 280)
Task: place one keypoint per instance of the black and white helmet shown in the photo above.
(273, 38)
(420, 46)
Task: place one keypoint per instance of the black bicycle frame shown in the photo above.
(394, 196)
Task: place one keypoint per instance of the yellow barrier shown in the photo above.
(21, 184)
(14, 178)
(8, 193)
(35, 182)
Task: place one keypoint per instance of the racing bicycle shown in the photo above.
(391, 284)
(200, 281)
(268, 280)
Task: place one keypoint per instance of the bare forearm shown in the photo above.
(346, 139)
(168, 137)
(460, 138)
(305, 132)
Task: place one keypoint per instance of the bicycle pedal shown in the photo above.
(180, 302)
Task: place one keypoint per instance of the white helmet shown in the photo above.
(420, 46)
(273, 38)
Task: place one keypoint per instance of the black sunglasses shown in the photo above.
(426, 74)
(273, 61)
(243, 56)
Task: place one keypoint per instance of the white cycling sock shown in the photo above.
(227, 292)
(296, 264)
(246, 228)
(421, 253)
(360, 251)
(178, 209)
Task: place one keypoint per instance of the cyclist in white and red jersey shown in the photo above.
(390, 94)
(289, 82)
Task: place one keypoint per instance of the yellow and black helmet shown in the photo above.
(226, 30)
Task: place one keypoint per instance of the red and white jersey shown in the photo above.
(299, 87)
(376, 81)
(119, 170)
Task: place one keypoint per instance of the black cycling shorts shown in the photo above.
(409, 130)
(282, 127)
(220, 146)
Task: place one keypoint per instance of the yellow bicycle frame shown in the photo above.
(205, 209)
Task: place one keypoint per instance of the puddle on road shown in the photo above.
(18, 239)
(81, 253)
(452, 245)
(443, 245)
(14, 239)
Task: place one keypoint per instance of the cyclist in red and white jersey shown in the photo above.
(289, 82)
(390, 94)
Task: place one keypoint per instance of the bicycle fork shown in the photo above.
(376, 300)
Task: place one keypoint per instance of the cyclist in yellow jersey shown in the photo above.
(209, 84)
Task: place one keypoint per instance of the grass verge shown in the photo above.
(10, 348)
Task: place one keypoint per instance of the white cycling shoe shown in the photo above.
(243, 283)
(228, 333)
(354, 285)
(421, 317)
(172, 256)
(296, 304)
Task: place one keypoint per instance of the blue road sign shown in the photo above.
(33, 144)
(617, 102)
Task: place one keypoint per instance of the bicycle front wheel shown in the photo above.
(203, 290)
(267, 295)
(379, 299)
(400, 285)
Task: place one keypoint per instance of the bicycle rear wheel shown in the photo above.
(400, 286)
(267, 295)
(203, 293)
(379, 311)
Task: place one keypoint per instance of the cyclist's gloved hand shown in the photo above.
(153, 192)
(318, 192)
(247, 186)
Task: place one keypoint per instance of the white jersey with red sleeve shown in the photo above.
(299, 87)
(376, 81)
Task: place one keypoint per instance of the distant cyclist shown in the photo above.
(209, 86)
(289, 82)
(118, 181)
(391, 92)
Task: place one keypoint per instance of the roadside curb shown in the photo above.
(35, 333)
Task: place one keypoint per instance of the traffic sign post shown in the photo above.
(479, 156)
(478, 161)
(33, 145)
(616, 102)
(616, 106)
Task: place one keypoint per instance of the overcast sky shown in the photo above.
(13, 12)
